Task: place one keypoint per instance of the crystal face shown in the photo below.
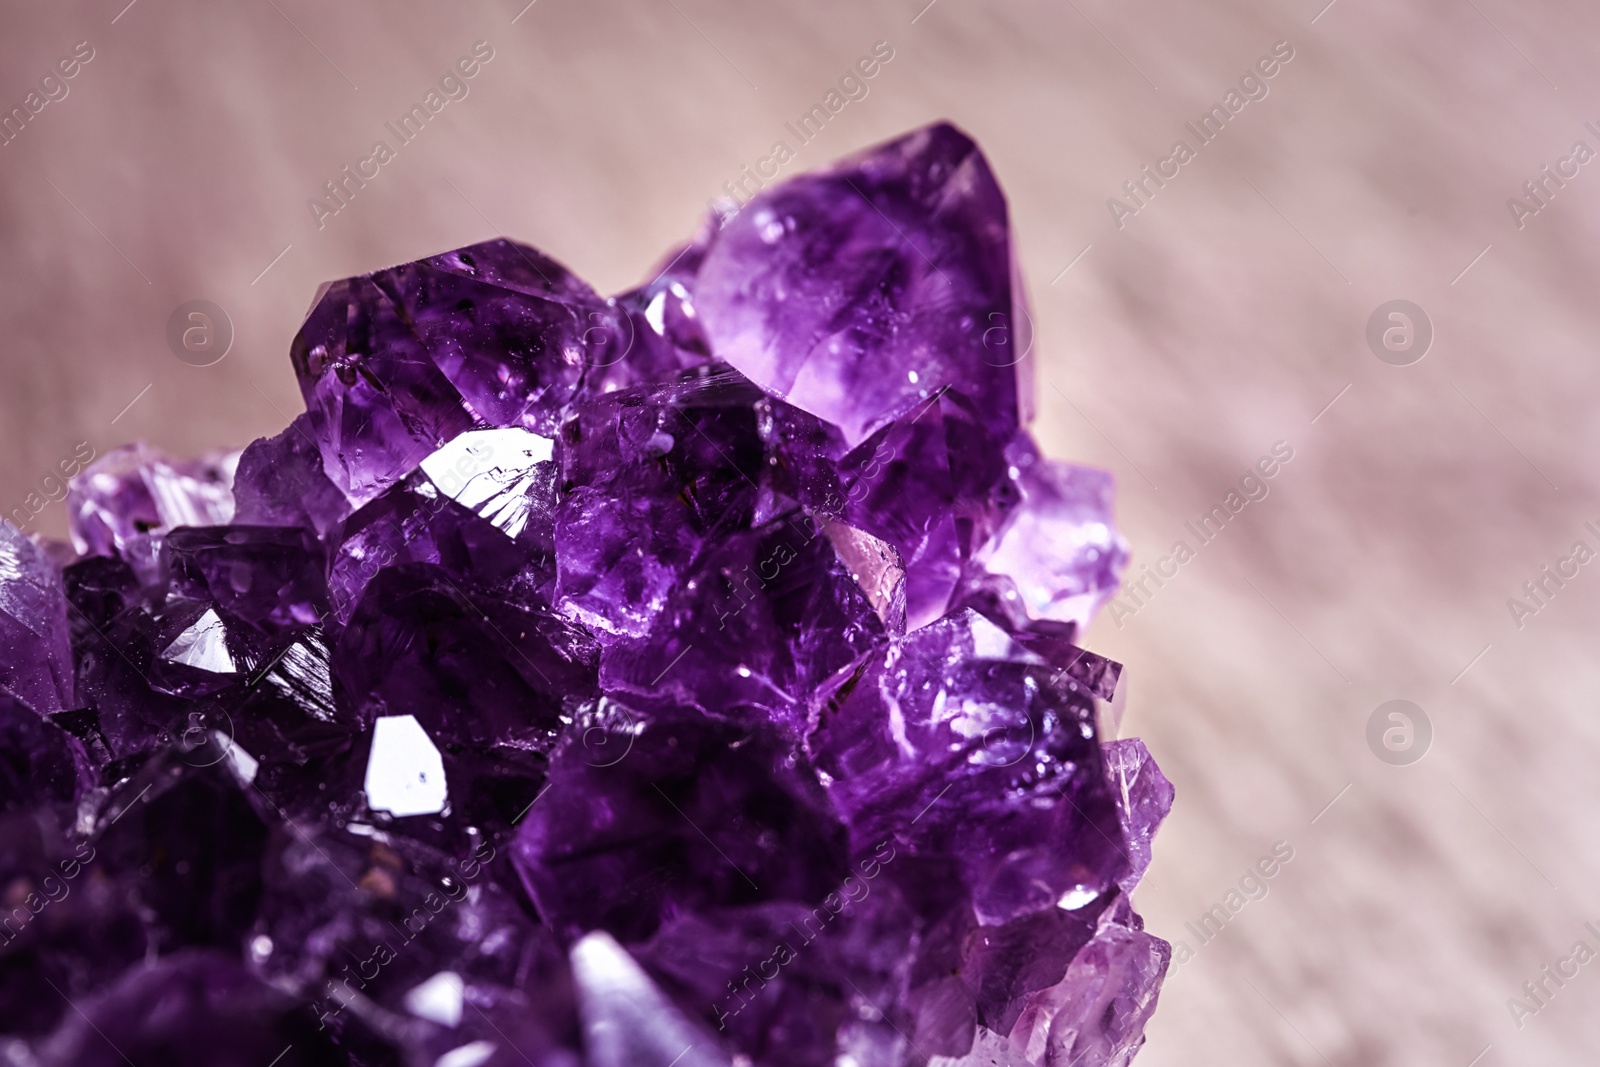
(689, 677)
(124, 502)
(857, 291)
(405, 773)
(35, 657)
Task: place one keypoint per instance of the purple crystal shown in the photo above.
(661, 335)
(1096, 1013)
(395, 363)
(1056, 555)
(765, 625)
(627, 1019)
(123, 502)
(203, 1008)
(858, 291)
(35, 659)
(960, 743)
(281, 482)
(491, 682)
(268, 576)
(649, 476)
(416, 522)
(693, 676)
(1145, 798)
(707, 802)
(65, 923)
(930, 483)
(40, 762)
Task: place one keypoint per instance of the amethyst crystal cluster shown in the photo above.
(685, 678)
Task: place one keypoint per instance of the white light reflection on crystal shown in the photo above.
(438, 1000)
(469, 1055)
(203, 645)
(405, 773)
(491, 472)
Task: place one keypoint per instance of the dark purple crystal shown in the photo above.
(396, 363)
(686, 677)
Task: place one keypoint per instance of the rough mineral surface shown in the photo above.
(684, 678)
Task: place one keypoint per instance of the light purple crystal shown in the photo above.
(857, 291)
(123, 502)
(1144, 797)
(1097, 1013)
(280, 481)
(35, 660)
(662, 334)
(1055, 555)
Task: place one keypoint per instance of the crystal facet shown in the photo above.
(859, 290)
(124, 502)
(35, 657)
(405, 774)
(690, 677)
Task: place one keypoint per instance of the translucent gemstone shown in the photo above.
(649, 476)
(661, 333)
(472, 1054)
(415, 522)
(41, 763)
(688, 677)
(439, 999)
(965, 744)
(203, 645)
(1144, 798)
(394, 364)
(713, 802)
(1056, 556)
(123, 502)
(858, 291)
(492, 473)
(202, 1008)
(627, 1019)
(764, 625)
(268, 576)
(35, 657)
(930, 483)
(281, 482)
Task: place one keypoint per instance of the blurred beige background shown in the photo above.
(1222, 318)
